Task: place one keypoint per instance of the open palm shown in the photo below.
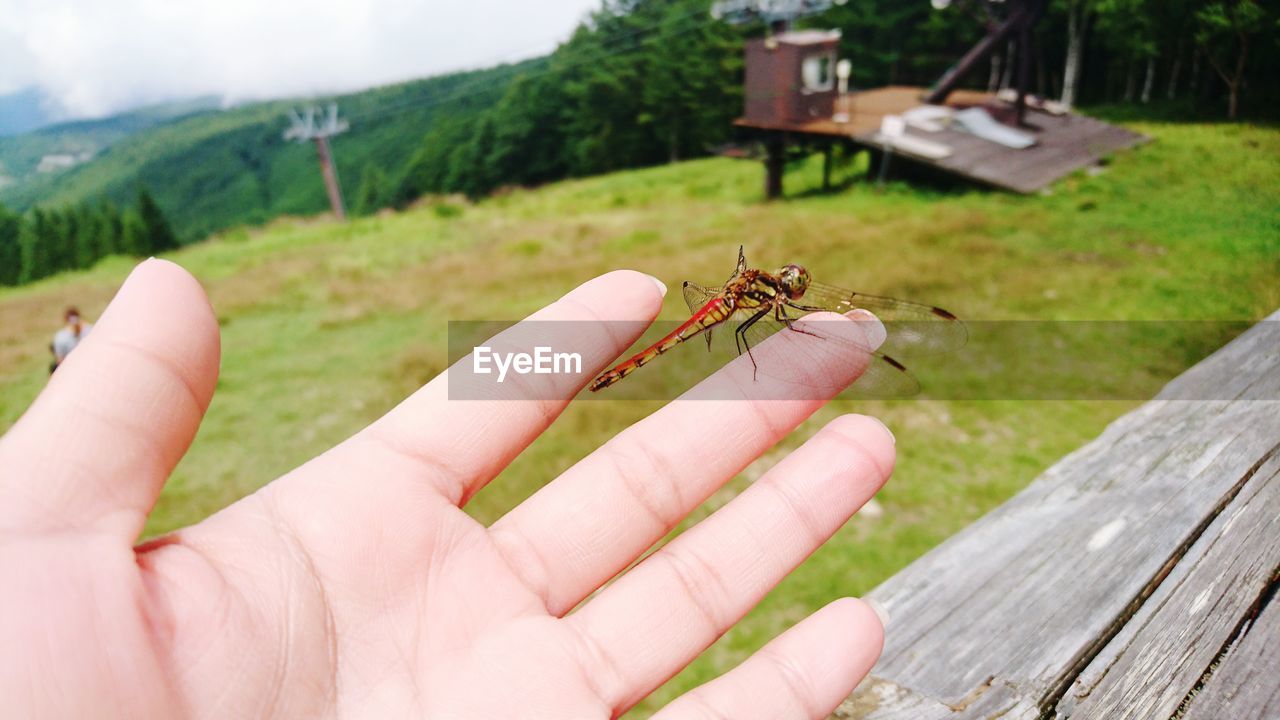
(355, 586)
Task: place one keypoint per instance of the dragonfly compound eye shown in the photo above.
(795, 280)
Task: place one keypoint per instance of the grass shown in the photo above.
(327, 326)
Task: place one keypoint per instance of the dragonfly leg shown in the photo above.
(806, 308)
(740, 338)
(780, 314)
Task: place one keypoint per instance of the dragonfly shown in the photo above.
(756, 304)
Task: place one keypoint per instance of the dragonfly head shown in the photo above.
(795, 280)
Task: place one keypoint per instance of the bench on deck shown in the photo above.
(1136, 578)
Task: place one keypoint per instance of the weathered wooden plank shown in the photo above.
(889, 701)
(1162, 653)
(1024, 600)
(885, 700)
(1246, 685)
(1066, 144)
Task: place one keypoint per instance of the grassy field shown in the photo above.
(327, 326)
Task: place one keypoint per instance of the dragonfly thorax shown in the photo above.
(794, 280)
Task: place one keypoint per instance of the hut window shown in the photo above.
(816, 72)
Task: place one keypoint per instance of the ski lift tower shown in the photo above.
(777, 14)
(318, 126)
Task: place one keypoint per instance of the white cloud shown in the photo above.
(95, 57)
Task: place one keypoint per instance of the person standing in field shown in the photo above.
(67, 338)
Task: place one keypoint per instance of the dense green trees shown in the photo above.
(1224, 32)
(49, 240)
(370, 196)
(648, 81)
(10, 250)
(640, 82)
(159, 235)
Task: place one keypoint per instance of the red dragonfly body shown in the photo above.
(761, 301)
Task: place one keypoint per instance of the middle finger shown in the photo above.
(595, 519)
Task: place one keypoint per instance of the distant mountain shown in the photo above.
(25, 110)
(30, 156)
(210, 169)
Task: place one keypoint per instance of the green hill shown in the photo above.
(21, 154)
(214, 169)
(327, 326)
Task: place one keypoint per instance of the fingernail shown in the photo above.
(662, 287)
(887, 431)
(133, 273)
(880, 610)
(871, 326)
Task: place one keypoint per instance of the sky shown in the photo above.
(98, 57)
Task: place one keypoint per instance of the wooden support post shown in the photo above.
(874, 158)
(775, 163)
(826, 167)
(330, 177)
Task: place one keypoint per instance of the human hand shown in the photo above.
(355, 586)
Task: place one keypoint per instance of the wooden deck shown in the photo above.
(867, 108)
(1064, 143)
(1134, 579)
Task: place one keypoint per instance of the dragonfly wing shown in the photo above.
(695, 295)
(884, 377)
(913, 329)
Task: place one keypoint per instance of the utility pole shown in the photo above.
(318, 126)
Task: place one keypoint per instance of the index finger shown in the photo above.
(459, 445)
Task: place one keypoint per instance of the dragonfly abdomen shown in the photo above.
(711, 314)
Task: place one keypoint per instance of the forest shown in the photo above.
(45, 241)
(646, 82)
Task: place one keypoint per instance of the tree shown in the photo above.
(528, 140)
(108, 223)
(36, 245)
(159, 234)
(1078, 14)
(894, 42)
(58, 238)
(429, 168)
(85, 236)
(1126, 28)
(369, 197)
(1224, 29)
(135, 238)
(470, 171)
(692, 97)
(10, 249)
